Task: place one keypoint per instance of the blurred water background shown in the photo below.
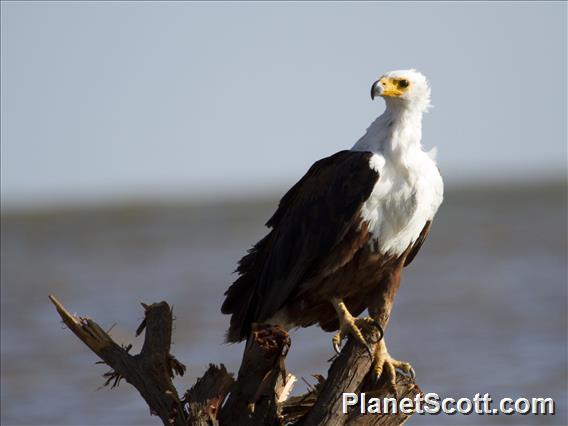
(483, 308)
(143, 142)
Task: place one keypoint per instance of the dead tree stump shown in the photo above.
(259, 395)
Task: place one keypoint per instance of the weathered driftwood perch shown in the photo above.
(259, 395)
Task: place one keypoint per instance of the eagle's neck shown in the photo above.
(395, 133)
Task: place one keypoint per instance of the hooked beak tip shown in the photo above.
(373, 87)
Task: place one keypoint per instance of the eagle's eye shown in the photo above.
(403, 83)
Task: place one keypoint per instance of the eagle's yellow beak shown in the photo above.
(389, 87)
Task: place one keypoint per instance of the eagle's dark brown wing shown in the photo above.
(311, 219)
(418, 243)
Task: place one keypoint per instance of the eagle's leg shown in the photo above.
(385, 366)
(349, 324)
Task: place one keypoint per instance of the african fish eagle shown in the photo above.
(341, 236)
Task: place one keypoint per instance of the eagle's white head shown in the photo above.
(399, 127)
(403, 89)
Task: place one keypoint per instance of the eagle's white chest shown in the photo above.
(406, 196)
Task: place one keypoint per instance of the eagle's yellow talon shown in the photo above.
(385, 366)
(412, 373)
(336, 341)
(405, 367)
(350, 325)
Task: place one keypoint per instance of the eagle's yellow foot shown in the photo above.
(350, 325)
(385, 366)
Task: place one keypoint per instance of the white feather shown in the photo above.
(410, 188)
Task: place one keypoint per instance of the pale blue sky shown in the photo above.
(120, 101)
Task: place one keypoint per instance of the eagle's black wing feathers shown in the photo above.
(311, 219)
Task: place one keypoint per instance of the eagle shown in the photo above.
(342, 235)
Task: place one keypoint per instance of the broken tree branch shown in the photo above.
(151, 371)
(262, 378)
